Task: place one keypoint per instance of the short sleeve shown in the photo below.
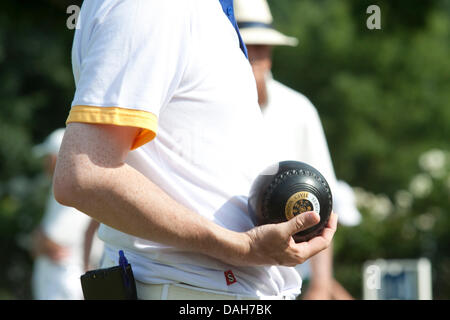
(131, 58)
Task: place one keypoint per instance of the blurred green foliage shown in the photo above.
(383, 96)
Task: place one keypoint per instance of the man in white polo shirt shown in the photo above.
(297, 133)
(162, 143)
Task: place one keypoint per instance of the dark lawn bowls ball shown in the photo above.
(281, 192)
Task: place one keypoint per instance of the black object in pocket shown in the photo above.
(115, 283)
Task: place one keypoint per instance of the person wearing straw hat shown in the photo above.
(58, 241)
(161, 146)
(297, 132)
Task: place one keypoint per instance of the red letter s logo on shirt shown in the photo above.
(229, 277)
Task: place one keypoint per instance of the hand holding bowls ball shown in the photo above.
(287, 189)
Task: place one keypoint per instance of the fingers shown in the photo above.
(302, 222)
(269, 244)
(332, 225)
(319, 243)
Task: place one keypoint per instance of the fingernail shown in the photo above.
(315, 215)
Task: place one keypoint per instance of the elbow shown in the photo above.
(61, 191)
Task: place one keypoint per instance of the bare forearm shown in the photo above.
(124, 199)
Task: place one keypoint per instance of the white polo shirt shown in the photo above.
(174, 68)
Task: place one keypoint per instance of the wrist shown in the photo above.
(232, 247)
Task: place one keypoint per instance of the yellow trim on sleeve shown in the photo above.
(147, 121)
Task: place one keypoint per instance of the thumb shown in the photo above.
(302, 222)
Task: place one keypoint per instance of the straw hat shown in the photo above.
(255, 24)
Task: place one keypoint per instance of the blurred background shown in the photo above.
(383, 97)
